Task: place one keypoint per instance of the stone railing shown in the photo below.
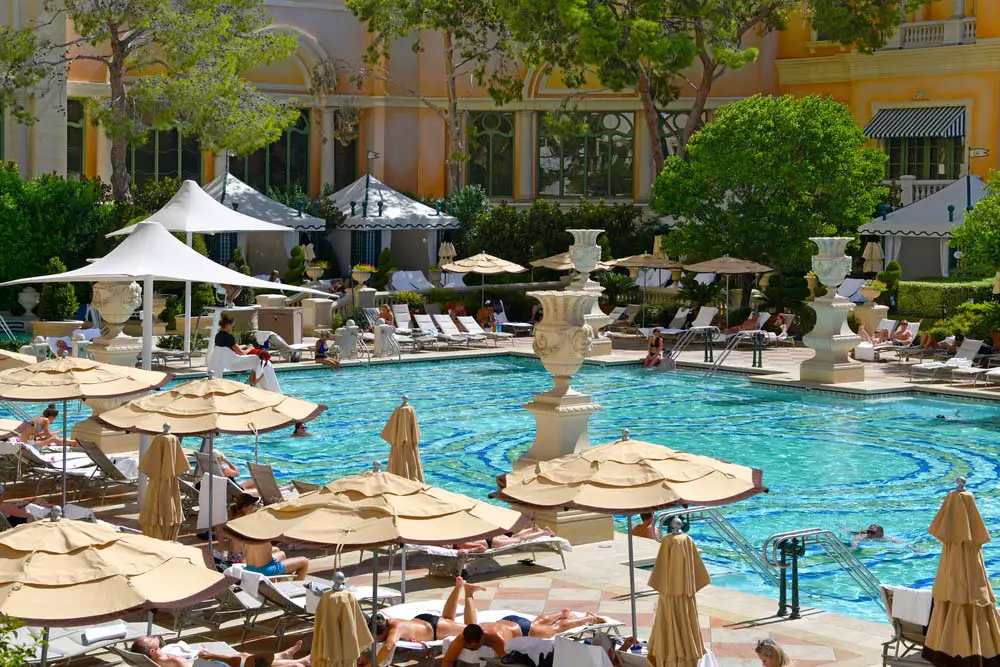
(913, 190)
(925, 34)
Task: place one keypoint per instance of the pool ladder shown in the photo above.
(6, 330)
(756, 339)
(685, 340)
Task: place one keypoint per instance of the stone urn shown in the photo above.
(563, 337)
(360, 278)
(831, 265)
(314, 272)
(115, 302)
(585, 255)
(870, 292)
(434, 275)
(28, 298)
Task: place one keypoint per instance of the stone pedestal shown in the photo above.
(600, 347)
(55, 329)
(869, 315)
(108, 440)
(560, 426)
(270, 300)
(831, 338)
(365, 297)
(316, 314)
(576, 526)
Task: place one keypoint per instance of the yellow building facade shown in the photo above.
(939, 75)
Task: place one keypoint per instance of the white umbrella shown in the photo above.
(194, 211)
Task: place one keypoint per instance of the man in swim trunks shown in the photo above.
(261, 557)
(506, 540)
(152, 648)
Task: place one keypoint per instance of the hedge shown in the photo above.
(933, 299)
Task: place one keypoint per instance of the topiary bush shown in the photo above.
(934, 299)
(58, 300)
(891, 275)
(974, 320)
(239, 264)
(412, 299)
(296, 267)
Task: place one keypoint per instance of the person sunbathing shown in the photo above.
(902, 336)
(40, 429)
(261, 557)
(751, 323)
(153, 648)
(501, 541)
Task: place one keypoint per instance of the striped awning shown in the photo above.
(942, 122)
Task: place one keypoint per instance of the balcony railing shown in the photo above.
(925, 34)
(913, 190)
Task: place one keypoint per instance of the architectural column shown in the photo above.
(527, 148)
(957, 9)
(48, 135)
(326, 162)
(103, 155)
(643, 159)
(218, 164)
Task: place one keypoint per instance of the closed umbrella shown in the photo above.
(965, 624)
(162, 513)
(402, 432)
(340, 634)
(645, 261)
(873, 257)
(484, 265)
(727, 266)
(629, 477)
(74, 379)
(15, 360)
(996, 283)
(677, 575)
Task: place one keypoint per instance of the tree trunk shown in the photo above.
(652, 117)
(698, 105)
(119, 103)
(453, 160)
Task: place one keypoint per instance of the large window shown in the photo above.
(594, 159)
(672, 124)
(166, 153)
(281, 166)
(927, 158)
(76, 131)
(345, 163)
(491, 152)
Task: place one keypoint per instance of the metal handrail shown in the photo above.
(725, 530)
(16, 410)
(5, 329)
(834, 548)
(731, 345)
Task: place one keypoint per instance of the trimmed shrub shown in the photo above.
(58, 300)
(974, 320)
(411, 299)
(296, 267)
(934, 299)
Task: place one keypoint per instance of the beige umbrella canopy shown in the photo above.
(162, 512)
(9, 427)
(58, 573)
(483, 264)
(402, 432)
(996, 283)
(645, 261)
(873, 257)
(678, 574)
(562, 262)
(965, 624)
(727, 265)
(15, 360)
(209, 406)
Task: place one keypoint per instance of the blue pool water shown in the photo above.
(832, 462)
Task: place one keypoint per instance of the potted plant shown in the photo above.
(812, 281)
(871, 289)
(360, 273)
(434, 273)
(315, 270)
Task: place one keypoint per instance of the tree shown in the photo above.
(650, 45)
(978, 237)
(476, 43)
(769, 173)
(170, 64)
(58, 300)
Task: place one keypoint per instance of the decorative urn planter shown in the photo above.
(360, 277)
(434, 275)
(563, 338)
(28, 298)
(831, 265)
(870, 293)
(314, 272)
(116, 302)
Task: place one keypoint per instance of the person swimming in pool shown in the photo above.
(873, 533)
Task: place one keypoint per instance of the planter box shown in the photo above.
(55, 329)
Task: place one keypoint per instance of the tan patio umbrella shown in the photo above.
(210, 406)
(678, 574)
(162, 513)
(9, 427)
(60, 573)
(15, 360)
(484, 265)
(340, 635)
(629, 477)
(727, 266)
(645, 261)
(74, 379)
(562, 262)
(374, 509)
(872, 254)
(965, 624)
(402, 432)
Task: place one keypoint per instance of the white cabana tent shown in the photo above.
(152, 253)
(192, 211)
(259, 249)
(409, 228)
(917, 235)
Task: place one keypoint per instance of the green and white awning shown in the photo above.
(941, 122)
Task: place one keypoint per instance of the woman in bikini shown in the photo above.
(41, 431)
(655, 352)
(323, 354)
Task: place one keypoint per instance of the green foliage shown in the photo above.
(890, 277)
(697, 295)
(467, 205)
(978, 237)
(617, 287)
(154, 195)
(382, 274)
(769, 173)
(974, 320)
(173, 308)
(21, 58)
(58, 300)
(934, 299)
(415, 301)
(785, 293)
(436, 295)
(198, 342)
(14, 652)
(239, 263)
(626, 232)
(202, 294)
(295, 274)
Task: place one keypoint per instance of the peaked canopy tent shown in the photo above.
(371, 206)
(152, 253)
(260, 250)
(192, 211)
(917, 235)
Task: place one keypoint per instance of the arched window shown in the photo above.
(491, 152)
(594, 160)
(283, 165)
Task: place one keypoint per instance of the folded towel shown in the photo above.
(533, 647)
(250, 582)
(217, 501)
(104, 633)
(180, 650)
(911, 604)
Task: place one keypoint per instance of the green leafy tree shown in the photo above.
(476, 44)
(650, 45)
(467, 205)
(697, 294)
(58, 300)
(383, 270)
(769, 173)
(978, 237)
(169, 64)
(617, 287)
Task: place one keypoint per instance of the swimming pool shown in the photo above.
(832, 462)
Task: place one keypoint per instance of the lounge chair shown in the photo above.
(189, 651)
(80, 470)
(901, 350)
(963, 358)
(449, 280)
(703, 319)
(850, 289)
(615, 315)
(500, 315)
(287, 597)
(400, 282)
(907, 636)
(233, 489)
(676, 323)
(384, 596)
(110, 473)
(472, 327)
(66, 644)
(426, 325)
(652, 277)
(267, 485)
(449, 562)
(705, 278)
(631, 311)
(401, 313)
(449, 328)
(230, 605)
(278, 345)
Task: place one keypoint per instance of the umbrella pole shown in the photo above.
(187, 305)
(64, 475)
(45, 646)
(631, 580)
(147, 323)
(149, 623)
(374, 615)
(402, 572)
(643, 308)
(211, 479)
(727, 300)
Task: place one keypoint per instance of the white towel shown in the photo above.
(911, 604)
(180, 649)
(266, 377)
(103, 633)
(472, 657)
(218, 502)
(533, 647)
(250, 582)
(569, 653)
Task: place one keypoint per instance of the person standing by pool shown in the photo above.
(654, 355)
(646, 528)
